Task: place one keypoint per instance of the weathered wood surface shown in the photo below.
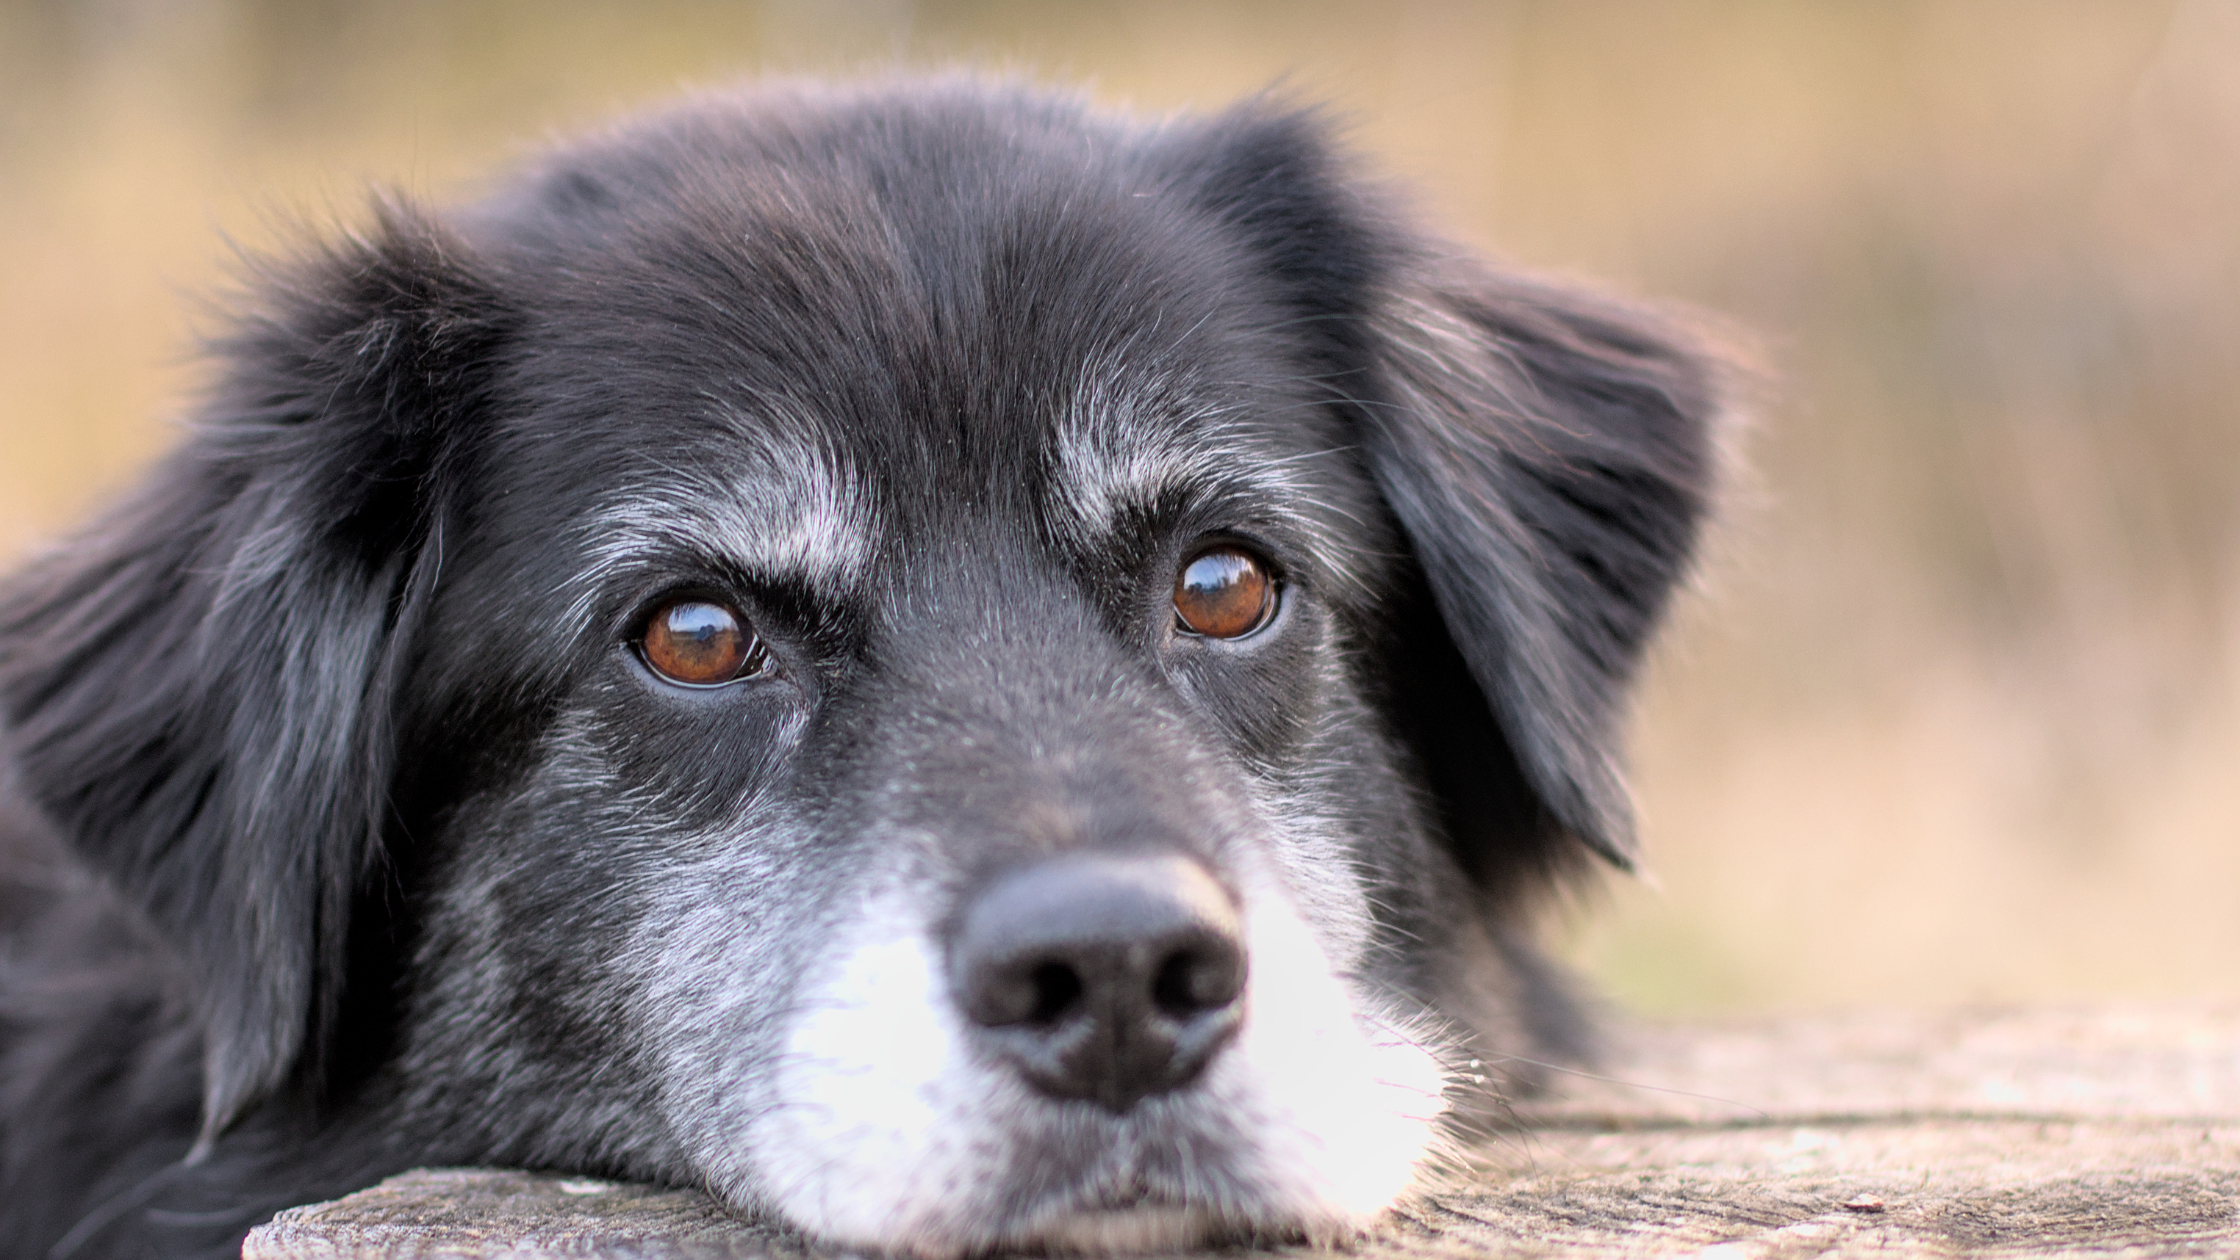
(2071, 1133)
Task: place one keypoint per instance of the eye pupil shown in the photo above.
(1224, 593)
(700, 643)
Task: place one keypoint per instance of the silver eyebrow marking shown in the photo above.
(1120, 446)
(1117, 447)
(790, 503)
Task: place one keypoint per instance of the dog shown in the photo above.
(960, 671)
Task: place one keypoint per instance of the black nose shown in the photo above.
(1105, 977)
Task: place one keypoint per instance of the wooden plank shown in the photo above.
(1984, 1133)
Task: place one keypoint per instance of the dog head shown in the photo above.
(953, 669)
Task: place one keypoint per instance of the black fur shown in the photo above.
(264, 719)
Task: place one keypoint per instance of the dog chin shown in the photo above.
(1160, 1228)
(1133, 1230)
(1118, 1230)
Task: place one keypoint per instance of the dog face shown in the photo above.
(959, 736)
(959, 672)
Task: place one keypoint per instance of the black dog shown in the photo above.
(960, 672)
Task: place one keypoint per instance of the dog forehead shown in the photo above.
(797, 364)
(782, 490)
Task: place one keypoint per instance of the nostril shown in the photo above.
(1197, 978)
(1057, 990)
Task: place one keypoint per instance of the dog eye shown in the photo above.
(1223, 593)
(699, 643)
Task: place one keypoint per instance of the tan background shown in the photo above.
(1956, 713)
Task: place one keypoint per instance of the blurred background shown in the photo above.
(1954, 713)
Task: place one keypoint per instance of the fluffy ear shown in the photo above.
(198, 692)
(1550, 456)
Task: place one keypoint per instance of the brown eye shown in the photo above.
(1223, 593)
(701, 644)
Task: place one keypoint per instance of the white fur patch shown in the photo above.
(885, 1131)
(1343, 1100)
(880, 1130)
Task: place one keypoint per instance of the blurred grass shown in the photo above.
(1957, 715)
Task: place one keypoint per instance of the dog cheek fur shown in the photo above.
(621, 899)
(520, 1041)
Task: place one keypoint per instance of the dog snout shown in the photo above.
(1101, 977)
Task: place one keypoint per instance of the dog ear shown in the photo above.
(1271, 175)
(198, 692)
(1551, 457)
